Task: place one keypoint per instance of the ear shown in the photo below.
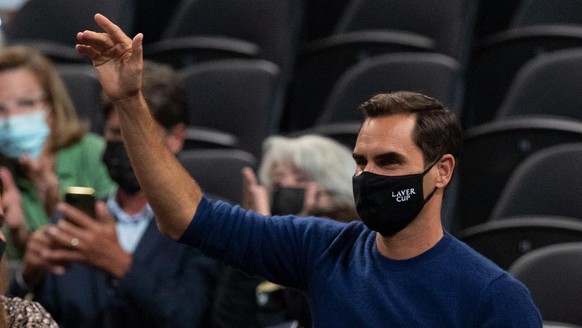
(445, 167)
(176, 137)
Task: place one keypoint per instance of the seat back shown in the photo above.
(235, 96)
(218, 171)
(56, 23)
(552, 275)
(272, 25)
(370, 28)
(547, 12)
(547, 85)
(504, 241)
(491, 153)
(84, 88)
(548, 182)
(538, 27)
(449, 23)
(432, 74)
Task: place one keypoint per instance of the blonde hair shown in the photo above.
(324, 160)
(66, 129)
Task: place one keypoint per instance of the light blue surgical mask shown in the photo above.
(23, 134)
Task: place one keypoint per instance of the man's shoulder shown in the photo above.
(470, 262)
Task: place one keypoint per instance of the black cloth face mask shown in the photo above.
(286, 201)
(117, 163)
(387, 204)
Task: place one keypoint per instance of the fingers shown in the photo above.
(309, 201)
(90, 52)
(94, 42)
(37, 257)
(255, 196)
(75, 216)
(102, 213)
(114, 31)
(63, 237)
(58, 256)
(7, 179)
(137, 46)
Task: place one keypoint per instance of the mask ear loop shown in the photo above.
(427, 199)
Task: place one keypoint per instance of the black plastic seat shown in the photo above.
(435, 75)
(548, 182)
(85, 90)
(491, 153)
(202, 30)
(552, 275)
(238, 97)
(52, 26)
(538, 27)
(504, 241)
(218, 171)
(370, 28)
(547, 85)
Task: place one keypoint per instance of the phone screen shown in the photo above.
(82, 198)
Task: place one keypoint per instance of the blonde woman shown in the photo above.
(42, 142)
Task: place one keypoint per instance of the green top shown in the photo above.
(77, 165)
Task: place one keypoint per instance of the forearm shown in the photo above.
(171, 192)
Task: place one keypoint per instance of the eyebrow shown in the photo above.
(388, 156)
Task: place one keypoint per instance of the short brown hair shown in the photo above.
(437, 130)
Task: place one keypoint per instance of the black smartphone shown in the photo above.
(82, 198)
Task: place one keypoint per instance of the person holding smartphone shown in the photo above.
(116, 269)
(43, 143)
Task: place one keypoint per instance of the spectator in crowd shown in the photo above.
(15, 311)
(42, 142)
(117, 270)
(302, 175)
(396, 267)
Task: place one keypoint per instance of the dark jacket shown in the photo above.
(168, 285)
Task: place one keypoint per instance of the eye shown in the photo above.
(360, 162)
(26, 103)
(386, 162)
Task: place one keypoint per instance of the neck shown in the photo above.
(131, 203)
(418, 237)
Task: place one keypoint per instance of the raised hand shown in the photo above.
(117, 58)
(11, 198)
(42, 174)
(255, 196)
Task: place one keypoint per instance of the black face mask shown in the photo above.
(286, 201)
(117, 162)
(387, 204)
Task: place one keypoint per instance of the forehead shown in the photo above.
(393, 133)
(18, 82)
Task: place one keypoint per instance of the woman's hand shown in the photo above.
(42, 174)
(13, 214)
(255, 196)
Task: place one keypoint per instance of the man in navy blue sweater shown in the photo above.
(396, 268)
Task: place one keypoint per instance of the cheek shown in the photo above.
(49, 117)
